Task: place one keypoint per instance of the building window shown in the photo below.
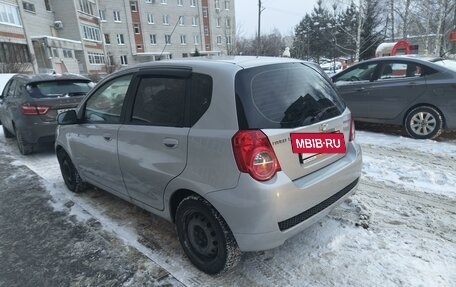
(29, 7)
(136, 28)
(168, 39)
(55, 53)
(183, 40)
(219, 40)
(192, 3)
(180, 2)
(67, 53)
(107, 39)
(206, 31)
(134, 6)
(102, 14)
(120, 39)
(163, 2)
(227, 5)
(228, 40)
(116, 16)
(153, 39)
(9, 15)
(227, 22)
(87, 7)
(91, 33)
(150, 18)
(96, 58)
(217, 23)
(47, 4)
(217, 4)
(181, 20)
(194, 21)
(205, 12)
(148, 1)
(196, 39)
(165, 20)
(123, 60)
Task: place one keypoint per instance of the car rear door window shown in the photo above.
(160, 101)
(400, 70)
(105, 105)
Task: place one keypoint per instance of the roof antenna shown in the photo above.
(178, 20)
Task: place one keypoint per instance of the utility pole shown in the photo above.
(260, 9)
(360, 26)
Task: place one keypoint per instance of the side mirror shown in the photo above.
(67, 118)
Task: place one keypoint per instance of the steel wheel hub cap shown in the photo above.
(202, 236)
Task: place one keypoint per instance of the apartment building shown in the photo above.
(99, 36)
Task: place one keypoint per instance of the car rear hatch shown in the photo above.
(53, 97)
(291, 98)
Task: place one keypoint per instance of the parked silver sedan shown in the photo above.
(418, 93)
(206, 144)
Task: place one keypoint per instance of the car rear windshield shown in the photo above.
(284, 96)
(450, 64)
(61, 88)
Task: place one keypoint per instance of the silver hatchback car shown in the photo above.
(205, 143)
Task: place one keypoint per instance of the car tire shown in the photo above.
(205, 236)
(69, 173)
(7, 133)
(424, 122)
(25, 147)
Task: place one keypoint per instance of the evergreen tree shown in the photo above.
(371, 33)
(346, 30)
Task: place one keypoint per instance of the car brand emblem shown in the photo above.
(323, 127)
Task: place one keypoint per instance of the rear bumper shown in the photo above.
(37, 131)
(262, 215)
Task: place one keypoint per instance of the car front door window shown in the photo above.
(361, 73)
(105, 106)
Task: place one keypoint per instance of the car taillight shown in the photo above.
(352, 129)
(254, 154)
(28, 109)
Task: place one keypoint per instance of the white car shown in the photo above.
(329, 68)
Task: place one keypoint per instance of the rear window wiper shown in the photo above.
(324, 111)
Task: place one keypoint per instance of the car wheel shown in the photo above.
(7, 133)
(424, 123)
(205, 236)
(69, 173)
(24, 147)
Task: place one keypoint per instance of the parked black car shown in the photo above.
(418, 93)
(30, 104)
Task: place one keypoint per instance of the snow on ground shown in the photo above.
(423, 165)
(397, 230)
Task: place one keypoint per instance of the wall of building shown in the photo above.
(136, 47)
(114, 28)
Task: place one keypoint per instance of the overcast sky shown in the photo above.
(281, 14)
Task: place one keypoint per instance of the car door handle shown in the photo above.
(107, 137)
(360, 89)
(170, 143)
(412, 84)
